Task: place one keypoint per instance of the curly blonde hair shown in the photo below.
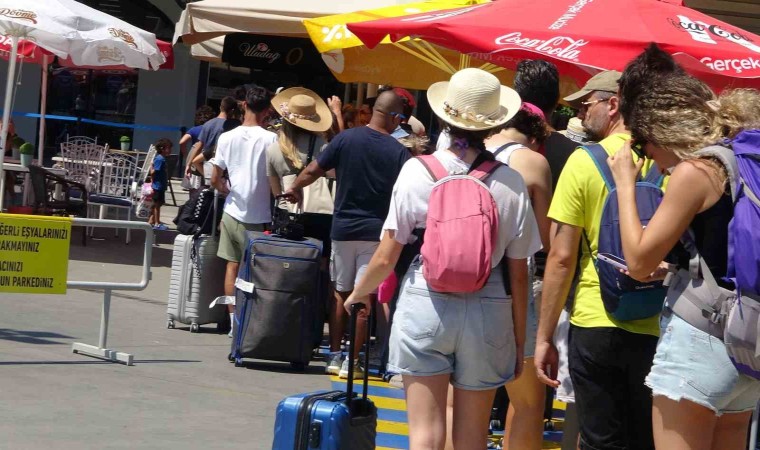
(288, 135)
(681, 114)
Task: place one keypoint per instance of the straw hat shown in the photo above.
(575, 130)
(473, 100)
(303, 108)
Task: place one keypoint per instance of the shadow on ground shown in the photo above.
(33, 337)
(109, 249)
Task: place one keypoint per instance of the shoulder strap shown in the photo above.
(312, 143)
(433, 166)
(484, 169)
(654, 176)
(505, 147)
(599, 155)
(728, 159)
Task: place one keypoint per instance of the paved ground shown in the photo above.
(181, 392)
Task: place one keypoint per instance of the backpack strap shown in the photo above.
(654, 176)
(433, 166)
(727, 158)
(599, 155)
(484, 169)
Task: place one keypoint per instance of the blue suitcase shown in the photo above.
(327, 420)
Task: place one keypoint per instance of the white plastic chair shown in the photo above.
(144, 172)
(115, 188)
(82, 161)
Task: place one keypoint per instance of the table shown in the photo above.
(11, 165)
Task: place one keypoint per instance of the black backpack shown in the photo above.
(196, 216)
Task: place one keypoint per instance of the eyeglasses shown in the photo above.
(638, 148)
(399, 115)
(593, 102)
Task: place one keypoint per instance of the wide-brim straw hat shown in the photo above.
(303, 108)
(473, 99)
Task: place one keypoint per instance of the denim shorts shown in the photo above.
(470, 336)
(693, 365)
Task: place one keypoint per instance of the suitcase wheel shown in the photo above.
(298, 366)
(238, 362)
(496, 425)
(194, 328)
(548, 425)
(230, 358)
(170, 324)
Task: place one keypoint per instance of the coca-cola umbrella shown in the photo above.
(584, 36)
(69, 29)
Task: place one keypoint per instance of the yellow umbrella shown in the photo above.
(409, 63)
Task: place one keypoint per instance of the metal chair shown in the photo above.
(115, 188)
(82, 161)
(55, 195)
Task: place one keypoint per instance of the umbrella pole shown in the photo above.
(7, 113)
(43, 109)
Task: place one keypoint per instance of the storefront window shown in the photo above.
(98, 95)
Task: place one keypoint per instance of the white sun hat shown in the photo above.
(473, 100)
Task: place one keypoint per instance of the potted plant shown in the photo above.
(125, 141)
(16, 144)
(26, 152)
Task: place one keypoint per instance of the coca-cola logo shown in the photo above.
(22, 14)
(685, 24)
(561, 47)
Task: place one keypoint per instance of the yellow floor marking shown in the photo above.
(386, 426)
(396, 404)
(373, 381)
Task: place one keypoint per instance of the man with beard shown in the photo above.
(608, 359)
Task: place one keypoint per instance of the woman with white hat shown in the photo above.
(473, 341)
(305, 117)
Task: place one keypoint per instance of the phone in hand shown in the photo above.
(613, 260)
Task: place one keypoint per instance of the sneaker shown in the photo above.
(396, 381)
(358, 369)
(333, 363)
(160, 227)
(230, 333)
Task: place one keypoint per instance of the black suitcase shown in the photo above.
(279, 312)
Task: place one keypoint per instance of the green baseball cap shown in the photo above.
(606, 81)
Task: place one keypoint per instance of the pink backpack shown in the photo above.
(462, 226)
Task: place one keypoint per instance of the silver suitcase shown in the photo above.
(194, 285)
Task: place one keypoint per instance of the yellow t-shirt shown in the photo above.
(578, 200)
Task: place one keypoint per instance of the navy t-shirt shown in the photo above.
(366, 163)
(212, 130)
(194, 133)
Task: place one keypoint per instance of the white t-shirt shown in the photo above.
(518, 231)
(243, 152)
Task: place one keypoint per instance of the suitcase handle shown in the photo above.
(351, 349)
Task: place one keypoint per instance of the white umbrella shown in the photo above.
(72, 30)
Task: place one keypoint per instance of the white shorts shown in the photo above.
(349, 261)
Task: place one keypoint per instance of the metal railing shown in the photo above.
(101, 351)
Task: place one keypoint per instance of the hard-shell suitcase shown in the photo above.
(279, 313)
(197, 278)
(326, 420)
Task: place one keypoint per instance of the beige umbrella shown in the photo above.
(207, 19)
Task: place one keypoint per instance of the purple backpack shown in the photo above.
(694, 294)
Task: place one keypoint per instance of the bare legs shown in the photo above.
(685, 425)
(426, 409)
(525, 417)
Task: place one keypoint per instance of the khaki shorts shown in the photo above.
(232, 240)
(349, 261)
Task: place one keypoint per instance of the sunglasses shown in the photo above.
(638, 148)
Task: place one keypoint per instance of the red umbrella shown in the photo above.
(584, 36)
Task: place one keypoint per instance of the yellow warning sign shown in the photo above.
(34, 253)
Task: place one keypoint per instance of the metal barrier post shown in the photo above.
(100, 351)
(753, 428)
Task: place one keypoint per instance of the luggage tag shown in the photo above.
(245, 286)
(223, 300)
